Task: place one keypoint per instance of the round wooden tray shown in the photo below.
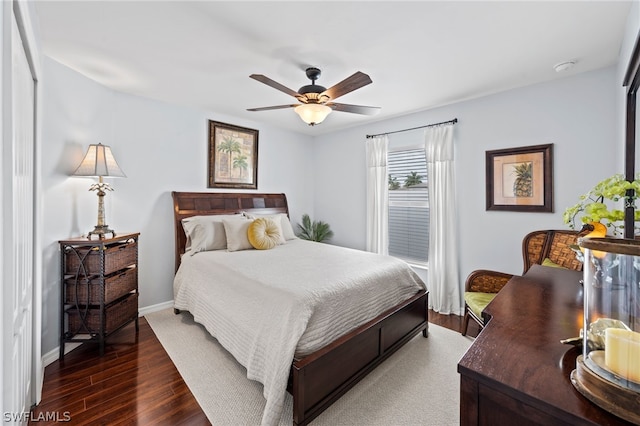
(616, 399)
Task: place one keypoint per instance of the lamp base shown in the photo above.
(617, 400)
(101, 231)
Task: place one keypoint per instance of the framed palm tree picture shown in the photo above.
(233, 156)
(520, 179)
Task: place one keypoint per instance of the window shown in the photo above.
(408, 205)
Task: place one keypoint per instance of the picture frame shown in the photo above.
(233, 156)
(520, 179)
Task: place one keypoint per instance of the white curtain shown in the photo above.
(445, 294)
(377, 195)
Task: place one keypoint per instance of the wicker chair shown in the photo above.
(538, 247)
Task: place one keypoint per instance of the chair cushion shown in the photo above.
(551, 263)
(478, 301)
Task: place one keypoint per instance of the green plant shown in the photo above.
(599, 204)
(393, 183)
(314, 231)
(413, 179)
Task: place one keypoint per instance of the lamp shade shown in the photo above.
(99, 161)
(312, 114)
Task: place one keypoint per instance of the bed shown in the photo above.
(317, 376)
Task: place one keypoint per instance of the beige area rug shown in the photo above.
(418, 385)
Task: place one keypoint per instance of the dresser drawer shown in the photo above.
(85, 261)
(87, 320)
(87, 291)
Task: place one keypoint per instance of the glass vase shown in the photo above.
(608, 371)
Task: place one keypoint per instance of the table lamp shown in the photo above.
(99, 162)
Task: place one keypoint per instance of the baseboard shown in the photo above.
(155, 308)
(54, 353)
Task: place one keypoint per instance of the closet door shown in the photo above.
(18, 207)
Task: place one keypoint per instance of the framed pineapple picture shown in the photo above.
(520, 179)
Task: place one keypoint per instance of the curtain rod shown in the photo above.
(454, 121)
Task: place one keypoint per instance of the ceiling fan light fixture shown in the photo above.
(312, 114)
(317, 101)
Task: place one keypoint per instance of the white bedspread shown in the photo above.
(264, 306)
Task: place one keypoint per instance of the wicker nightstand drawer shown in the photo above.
(115, 315)
(116, 285)
(86, 261)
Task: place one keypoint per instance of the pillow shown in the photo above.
(263, 234)
(206, 233)
(236, 232)
(287, 229)
(280, 219)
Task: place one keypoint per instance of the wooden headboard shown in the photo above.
(187, 204)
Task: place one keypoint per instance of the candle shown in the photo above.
(622, 353)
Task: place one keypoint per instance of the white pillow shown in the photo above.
(287, 229)
(236, 231)
(280, 219)
(206, 233)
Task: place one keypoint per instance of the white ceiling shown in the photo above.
(419, 54)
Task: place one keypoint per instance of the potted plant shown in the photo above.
(314, 231)
(605, 204)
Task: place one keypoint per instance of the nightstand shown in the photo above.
(99, 288)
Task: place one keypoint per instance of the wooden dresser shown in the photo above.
(517, 371)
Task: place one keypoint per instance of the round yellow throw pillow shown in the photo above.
(263, 234)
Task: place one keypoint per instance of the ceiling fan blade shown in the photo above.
(273, 107)
(266, 80)
(349, 84)
(356, 109)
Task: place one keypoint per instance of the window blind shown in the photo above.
(408, 205)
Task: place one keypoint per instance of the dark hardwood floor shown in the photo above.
(134, 383)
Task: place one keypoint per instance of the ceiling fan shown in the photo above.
(317, 101)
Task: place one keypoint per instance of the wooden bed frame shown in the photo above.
(319, 379)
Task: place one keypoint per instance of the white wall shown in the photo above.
(578, 114)
(163, 147)
(160, 148)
